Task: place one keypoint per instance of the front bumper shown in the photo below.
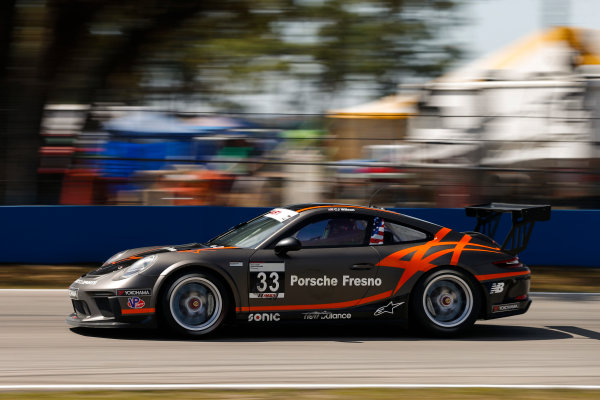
(100, 301)
(74, 321)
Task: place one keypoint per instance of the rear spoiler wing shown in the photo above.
(523, 219)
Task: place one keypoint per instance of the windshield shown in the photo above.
(252, 233)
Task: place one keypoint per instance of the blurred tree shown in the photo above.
(382, 42)
(65, 51)
(324, 47)
(210, 51)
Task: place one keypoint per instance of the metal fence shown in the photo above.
(100, 155)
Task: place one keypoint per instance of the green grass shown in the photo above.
(14, 276)
(329, 394)
(565, 279)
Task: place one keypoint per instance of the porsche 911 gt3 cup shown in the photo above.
(318, 262)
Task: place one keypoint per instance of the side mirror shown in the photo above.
(287, 244)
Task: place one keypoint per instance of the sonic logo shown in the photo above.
(135, 302)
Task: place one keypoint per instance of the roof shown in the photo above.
(556, 50)
(339, 207)
(389, 107)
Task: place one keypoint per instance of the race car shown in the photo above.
(318, 262)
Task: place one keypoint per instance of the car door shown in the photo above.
(332, 271)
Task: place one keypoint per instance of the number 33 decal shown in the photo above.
(262, 283)
(267, 280)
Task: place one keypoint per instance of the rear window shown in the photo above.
(386, 232)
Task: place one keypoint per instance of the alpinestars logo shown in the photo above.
(387, 309)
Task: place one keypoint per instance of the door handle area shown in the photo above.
(363, 266)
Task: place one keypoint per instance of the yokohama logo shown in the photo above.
(505, 307)
(134, 292)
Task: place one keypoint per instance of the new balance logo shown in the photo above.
(497, 287)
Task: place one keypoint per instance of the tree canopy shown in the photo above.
(218, 53)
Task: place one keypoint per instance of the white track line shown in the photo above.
(564, 293)
(531, 293)
(266, 386)
(34, 290)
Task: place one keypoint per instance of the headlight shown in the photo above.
(139, 266)
(114, 258)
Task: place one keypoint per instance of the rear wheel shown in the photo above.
(195, 304)
(446, 303)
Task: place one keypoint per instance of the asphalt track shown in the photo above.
(556, 343)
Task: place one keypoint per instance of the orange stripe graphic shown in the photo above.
(346, 206)
(437, 255)
(127, 259)
(498, 276)
(135, 257)
(485, 247)
(138, 311)
(485, 251)
(419, 263)
(207, 249)
(416, 263)
(343, 304)
(459, 248)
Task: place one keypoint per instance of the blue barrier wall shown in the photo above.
(91, 234)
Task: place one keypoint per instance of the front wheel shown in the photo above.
(195, 304)
(446, 303)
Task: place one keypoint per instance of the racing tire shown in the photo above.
(445, 303)
(194, 304)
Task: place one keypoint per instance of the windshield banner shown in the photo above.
(281, 214)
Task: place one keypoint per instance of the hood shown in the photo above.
(128, 257)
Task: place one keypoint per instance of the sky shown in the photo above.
(487, 27)
(493, 24)
(490, 25)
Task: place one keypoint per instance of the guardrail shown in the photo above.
(91, 234)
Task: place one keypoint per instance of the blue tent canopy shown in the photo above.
(149, 125)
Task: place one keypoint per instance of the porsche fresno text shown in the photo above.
(325, 280)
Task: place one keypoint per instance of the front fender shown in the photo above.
(195, 265)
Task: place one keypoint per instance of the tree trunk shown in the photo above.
(21, 99)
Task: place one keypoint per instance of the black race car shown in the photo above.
(317, 262)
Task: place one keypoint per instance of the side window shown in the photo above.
(333, 232)
(385, 232)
